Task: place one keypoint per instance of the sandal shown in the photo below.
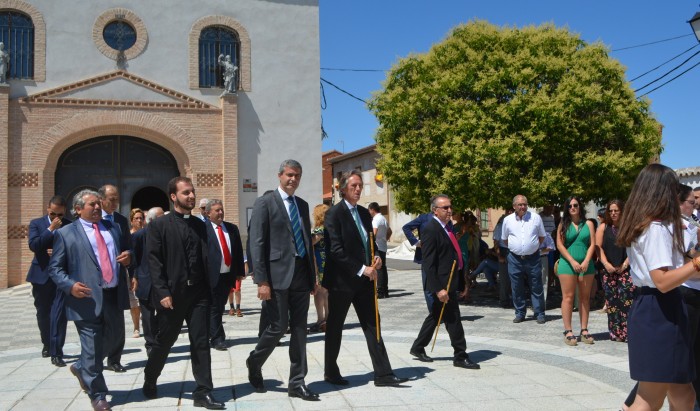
(570, 339)
(586, 338)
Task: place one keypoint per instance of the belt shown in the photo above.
(536, 253)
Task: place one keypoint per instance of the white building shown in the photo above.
(129, 92)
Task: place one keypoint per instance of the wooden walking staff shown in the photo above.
(442, 311)
(376, 296)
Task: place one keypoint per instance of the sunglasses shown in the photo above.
(572, 206)
(449, 207)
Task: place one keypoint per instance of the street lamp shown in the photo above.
(695, 24)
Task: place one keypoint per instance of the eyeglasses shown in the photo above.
(447, 207)
(52, 214)
(572, 206)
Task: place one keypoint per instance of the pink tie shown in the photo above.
(455, 244)
(105, 263)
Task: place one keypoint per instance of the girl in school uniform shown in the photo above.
(658, 335)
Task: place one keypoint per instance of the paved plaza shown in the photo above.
(524, 366)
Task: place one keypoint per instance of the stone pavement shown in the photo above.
(524, 366)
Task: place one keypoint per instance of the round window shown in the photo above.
(119, 35)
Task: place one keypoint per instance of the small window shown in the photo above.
(484, 220)
(213, 42)
(17, 36)
(119, 35)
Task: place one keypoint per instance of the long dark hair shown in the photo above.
(566, 218)
(655, 198)
(607, 219)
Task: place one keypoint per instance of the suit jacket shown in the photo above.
(40, 241)
(140, 264)
(216, 279)
(345, 253)
(438, 255)
(272, 247)
(73, 260)
(167, 260)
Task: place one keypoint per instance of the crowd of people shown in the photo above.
(171, 268)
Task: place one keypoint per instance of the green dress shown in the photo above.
(577, 245)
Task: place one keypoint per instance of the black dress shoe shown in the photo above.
(116, 367)
(466, 363)
(304, 393)
(74, 371)
(335, 380)
(58, 361)
(255, 377)
(517, 320)
(421, 356)
(45, 352)
(100, 404)
(219, 346)
(208, 402)
(389, 381)
(150, 390)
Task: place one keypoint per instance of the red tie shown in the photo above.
(224, 247)
(455, 244)
(105, 263)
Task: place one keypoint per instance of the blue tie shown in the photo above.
(109, 217)
(296, 227)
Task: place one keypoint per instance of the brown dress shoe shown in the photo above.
(99, 404)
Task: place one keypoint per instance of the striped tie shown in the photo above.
(296, 227)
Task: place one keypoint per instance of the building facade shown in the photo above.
(131, 93)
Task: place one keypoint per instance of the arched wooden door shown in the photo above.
(134, 165)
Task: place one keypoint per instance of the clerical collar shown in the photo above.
(182, 215)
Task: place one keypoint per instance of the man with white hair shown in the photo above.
(203, 209)
(523, 232)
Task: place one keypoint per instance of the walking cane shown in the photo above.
(376, 296)
(442, 311)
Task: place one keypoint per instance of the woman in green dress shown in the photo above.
(576, 245)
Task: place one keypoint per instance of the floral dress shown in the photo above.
(319, 253)
(619, 290)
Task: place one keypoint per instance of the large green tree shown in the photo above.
(491, 112)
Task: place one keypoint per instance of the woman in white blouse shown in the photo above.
(658, 334)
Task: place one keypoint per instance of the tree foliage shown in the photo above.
(492, 112)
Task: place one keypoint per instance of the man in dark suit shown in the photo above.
(440, 251)
(348, 277)
(280, 249)
(225, 265)
(177, 261)
(84, 265)
(109, 196)
(48, 300)
(143, 281)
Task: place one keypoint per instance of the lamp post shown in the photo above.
(695, 25)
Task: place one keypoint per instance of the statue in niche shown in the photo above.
(4, 63)
(229, 74)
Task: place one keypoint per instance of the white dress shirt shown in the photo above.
(523, 234)
(111, 249)
(223, 269)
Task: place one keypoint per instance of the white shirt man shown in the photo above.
(523, 232)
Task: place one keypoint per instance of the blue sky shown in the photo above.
(374, 34)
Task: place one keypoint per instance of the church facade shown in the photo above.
(131, 93)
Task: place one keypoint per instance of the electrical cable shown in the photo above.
(652, 42)
(667, 73)
(664, 63)
(343, 91)
(661, 85)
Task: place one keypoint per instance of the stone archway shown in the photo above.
(129, 163)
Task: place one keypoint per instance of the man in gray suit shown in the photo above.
(280, 250)
(85, 266)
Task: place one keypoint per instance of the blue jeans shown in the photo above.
(526, 268)
(489, 268)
